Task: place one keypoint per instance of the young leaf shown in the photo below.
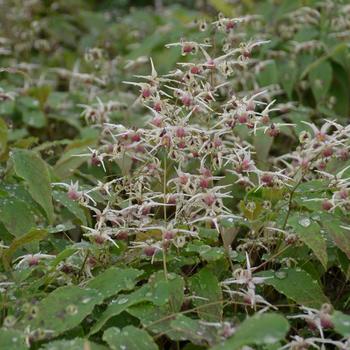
(34, 171)
(130, 338)
(259, 329)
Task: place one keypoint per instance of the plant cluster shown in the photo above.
(202, 207)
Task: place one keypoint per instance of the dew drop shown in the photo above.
(281, 275)
(305, 222)
(234, 254)
(71, 310)
(316, 217)
(122, 301)
(268, 339)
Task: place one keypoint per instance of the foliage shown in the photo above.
(174, 176)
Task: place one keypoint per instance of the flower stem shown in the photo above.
(165, 215)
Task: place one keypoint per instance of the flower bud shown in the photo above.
(157, 121)
(149, 251)
(327, 152)
(146, 93)
(180, 132)
(209, 199)
(327, 205)
(204, 183)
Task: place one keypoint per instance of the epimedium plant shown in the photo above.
(308, 57)
(198, 236)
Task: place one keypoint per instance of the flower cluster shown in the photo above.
(200, 161)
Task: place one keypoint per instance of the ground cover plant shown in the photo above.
(175, 181)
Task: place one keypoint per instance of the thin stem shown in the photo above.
(165, 216)
(271, 258)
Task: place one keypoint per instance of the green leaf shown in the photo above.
(65, 308)
(222, 6)
(114, 280)
(339, 235)
(71, 159)
(130, 338)
(11, 339)
(34, 171)
(297, 285)
(63, 255)
(32, 236)
(340, 92)
(34, 118)
(268, 74)
(344, 262)
(288, 73)
(205, 251)
(168, 291)
(161, 320)
(204, 284)
(16, 216)
(32, 115)
(74, 344)
(117, 306)
(320, 79)
(341, 323)
(158, 291)
(156, 319)
(40, 93)
(72, 206)
(3, 136)
(262, 144)
(65, 226)
(267, 328)
(309, 232)
(194, 331)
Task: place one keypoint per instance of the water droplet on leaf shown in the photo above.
(305, 222)
(281, 274)
(122, 301)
